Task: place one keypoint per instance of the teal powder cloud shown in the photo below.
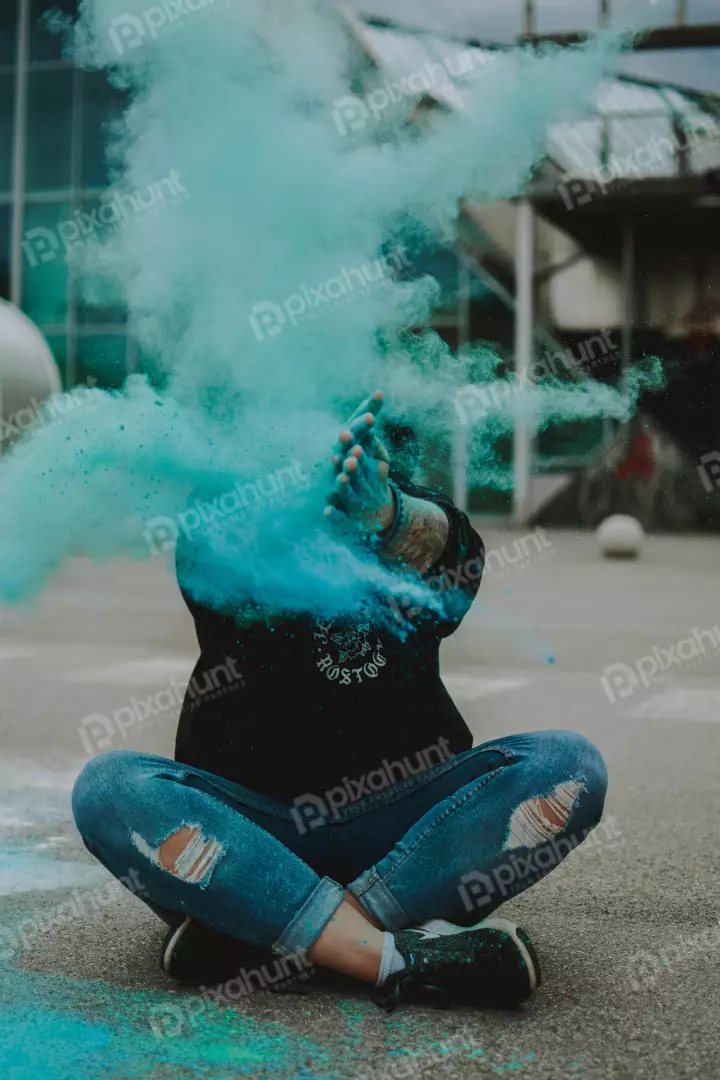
(259, 253)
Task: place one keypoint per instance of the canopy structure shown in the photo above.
(645, 127)
(616, 229)
(636, 130)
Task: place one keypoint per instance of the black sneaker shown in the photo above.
(197, 955)
(493, 965)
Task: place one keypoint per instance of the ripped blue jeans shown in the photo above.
(453, 842)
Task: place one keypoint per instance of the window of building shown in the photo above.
(50, 130)
(68, 115)
(47, 240)
(657, 13)
(46, 46)
(5, 252)
(59, 348)
(7, 107)
(102, 106)
(557, 17)
(8, 32)
(102, 358)
(702, 11)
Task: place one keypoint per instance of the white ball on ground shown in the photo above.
(620, 536)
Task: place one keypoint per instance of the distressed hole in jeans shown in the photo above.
(187, 854)
(544, 816)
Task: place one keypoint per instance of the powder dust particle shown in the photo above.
(216, 283)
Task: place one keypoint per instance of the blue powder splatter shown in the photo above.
(269, 204)
(78, 1030)
(26, 871)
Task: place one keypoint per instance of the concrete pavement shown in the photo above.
(628, 929)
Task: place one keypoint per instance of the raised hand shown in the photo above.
(361, 495)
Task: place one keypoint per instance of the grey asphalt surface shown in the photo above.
(627, 929)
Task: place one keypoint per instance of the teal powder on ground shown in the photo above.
(72, 1029)
(264, 200)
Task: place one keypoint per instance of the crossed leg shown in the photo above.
(485, 826)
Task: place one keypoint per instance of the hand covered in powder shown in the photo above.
(361, 494)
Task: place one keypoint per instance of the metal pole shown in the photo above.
(681, 13)
(462, 432)
(524, 315)
(628, 292)
(604, 13)
(529, 19)
(76, 150)
(19, 141)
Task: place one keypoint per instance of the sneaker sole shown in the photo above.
(170, 947)
(526, 949)
(523, 943)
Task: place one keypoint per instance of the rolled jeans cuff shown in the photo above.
(376, 898)
(312, 918)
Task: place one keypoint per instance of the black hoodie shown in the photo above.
(286, 706)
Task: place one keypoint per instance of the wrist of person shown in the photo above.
(384, 540)
(387, 515)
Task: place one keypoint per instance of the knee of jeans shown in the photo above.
(98, 787)
(589, 767)
(569, 780)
